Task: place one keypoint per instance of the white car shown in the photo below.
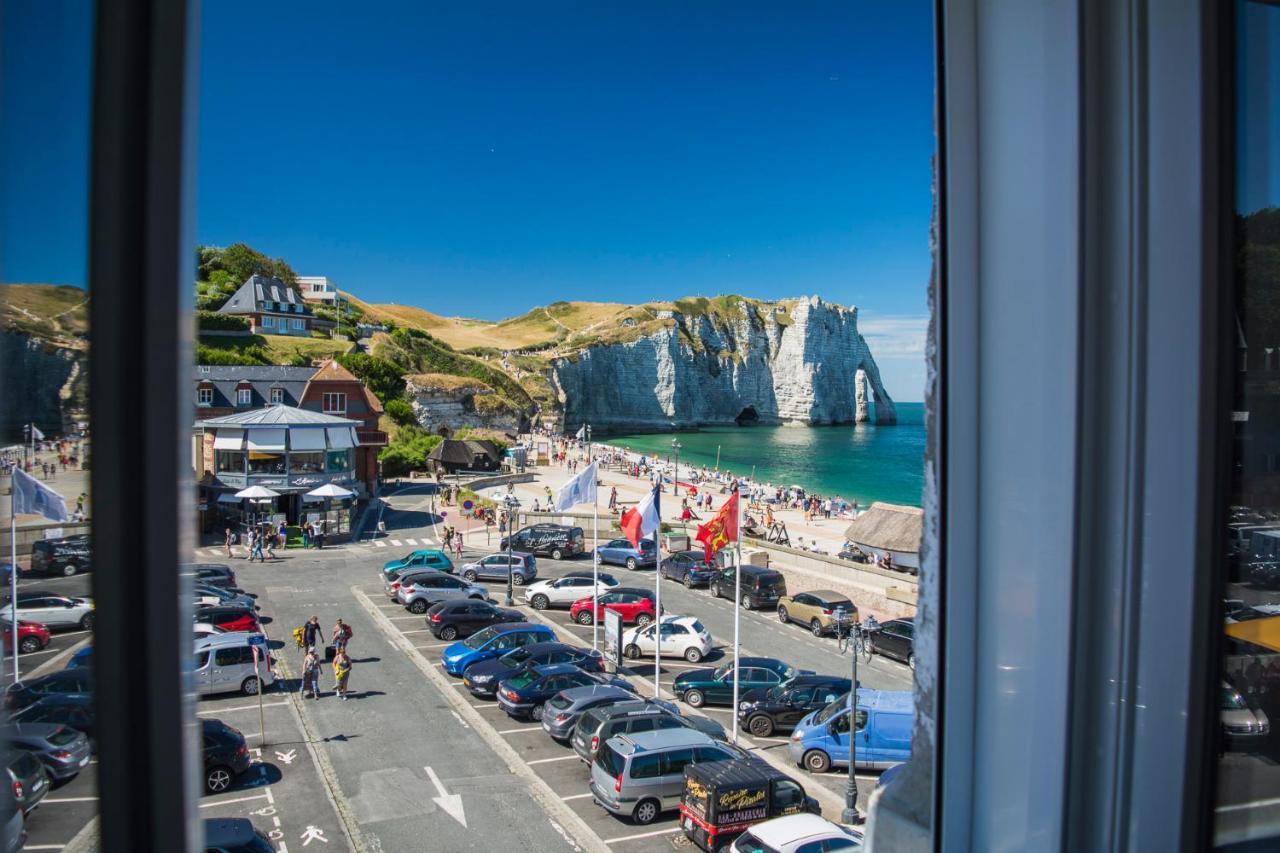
(52, 609)
(562, 592)
(797, 832)
(680, 636)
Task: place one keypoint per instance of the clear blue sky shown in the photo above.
(482, 160)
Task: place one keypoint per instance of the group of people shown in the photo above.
(262, 540)
(452, 541)
(309, 637)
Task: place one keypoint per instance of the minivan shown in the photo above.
(224, 663)
(761, 587)
(597, 725)
(556, 541)
(642, 775)
(883, 732)
(66, 556)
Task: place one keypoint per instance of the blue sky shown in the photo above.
(483, 160)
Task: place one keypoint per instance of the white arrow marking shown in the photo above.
(451, 803)
(286, 757)
(458, 717)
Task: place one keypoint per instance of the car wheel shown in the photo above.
(643, 619)
(782, 615)
(68, 570)
(688, 582)
(760, 725)
(632, 651)
(217, 780)
(584, 618)
(646, 812)
(535, 713)
(714, 589)
(695, 699)
(745, 602)
(469, 576)
(249, 686)
(517, 580)
(28, 645)
(816, 761)
(448, 632)
(911, 661)
(418, 606)
(86, 622)
(693, 655)
(631, 563)
(816, 627)
(540, 602)
(557, 554)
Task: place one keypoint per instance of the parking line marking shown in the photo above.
(396, 542)
(413, 542)
(69, 800)
(380, 544)
(236, 800)
(420, 631)
(666, 831)
(517, 731)
(549, 760)
(42, 846)
(243, 708)
(576, 797)
(416, 616)
(432, 645)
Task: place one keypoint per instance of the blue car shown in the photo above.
(524, 694)
(491, 642)
(620, 552)
(421, 559)
(84, 657)
(883, 732)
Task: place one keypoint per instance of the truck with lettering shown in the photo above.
(722, 799)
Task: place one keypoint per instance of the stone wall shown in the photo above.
(453, 410)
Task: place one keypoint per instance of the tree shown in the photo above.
(379, 375)
(400, 412)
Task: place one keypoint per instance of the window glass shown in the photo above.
(675, 760)
(787, 795)
(646, 767)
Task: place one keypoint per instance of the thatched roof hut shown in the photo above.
(453, 455)
(888, 527)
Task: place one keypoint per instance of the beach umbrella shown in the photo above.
(257, 492)
(329, 490)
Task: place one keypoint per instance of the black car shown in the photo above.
(556, 541)
(896, 639)
(226, 755)
(212, 574)
(482, 678)
(64, 751)
(69, 709)
(524, 694)
(689, 568)
(235, 835)
(760, 587)
(29, 780)
(66, 556)
(22, 694)
(762, 712)
(449, 620)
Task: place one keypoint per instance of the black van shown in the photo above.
(67, 556)
(761, 587)
(723, 799)
(547, 540)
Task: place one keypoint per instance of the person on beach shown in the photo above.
(341, 672)
(310, 688)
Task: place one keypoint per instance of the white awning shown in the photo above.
(340, 438)
(306, 439)
(266, 439)
(229, 439)
(228, 498)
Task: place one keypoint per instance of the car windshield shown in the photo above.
(697, 627)
(560, 702)
(775, 692)
(515, 656)
(833, 708)
(1232, 700)
(788, 673)
(748, 843)
(479, 638)
(62, 737)
(723, 671)
(610, 761)
(25, 764)
(524, 679)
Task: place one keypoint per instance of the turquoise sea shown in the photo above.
(865, 462)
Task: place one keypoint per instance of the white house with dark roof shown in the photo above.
(271, 307)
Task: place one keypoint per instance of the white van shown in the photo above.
(224, 664)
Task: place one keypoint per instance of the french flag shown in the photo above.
(642, 519)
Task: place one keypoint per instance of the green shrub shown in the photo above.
(212, 321)
(216, 355)
(408, 451)
(400, 412)
(380, 376)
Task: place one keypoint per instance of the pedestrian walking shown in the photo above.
(306, 536)
(457, 545)
(226, 540)
(310, 688)
(270, 542)
(311, 637)
(342, 635)
(284, 535)
(341, 672)
(613, 498)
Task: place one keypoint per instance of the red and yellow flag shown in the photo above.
(720, 530)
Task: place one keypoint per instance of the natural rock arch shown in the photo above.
(747, 417)
(867, 376)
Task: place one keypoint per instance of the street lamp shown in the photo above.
(512, 504)
(589, 447)
(846, 628)
(675, 488)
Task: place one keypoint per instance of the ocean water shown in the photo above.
(865, 462)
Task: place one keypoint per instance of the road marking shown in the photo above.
(417, 616)
(576, 797)
(42, 846)
(517, 731)
(458, 717)
(423, 631)
(396, 543)
(451, 803)
(69, 800)
(380, 544)
(549, 760)
(236, 800)
(221, 710)
(413, 542)
(666, 831)
(431, 645)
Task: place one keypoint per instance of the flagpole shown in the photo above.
(657, 588)
(595, 569)
(13, 569)
(737, 610)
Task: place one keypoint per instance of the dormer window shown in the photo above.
(204, 396)
(244, 396)
(277, 396)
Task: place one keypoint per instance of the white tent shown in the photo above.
(329, 490)
(257, 492)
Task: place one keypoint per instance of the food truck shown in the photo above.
(722, 799)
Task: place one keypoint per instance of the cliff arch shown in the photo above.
(867, 384)
(747, 417)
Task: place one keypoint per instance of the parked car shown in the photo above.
(418, 595)
(225, 663)
(642, 775)
(448, 620)
(482, 678)
(211, 574)
(620, 552)
(67, 556)
(780, 708)
(492, 642)
(13, 824)
(426, 558)
(235, 835)
(689, 568)
(84, 657)
(597, 725)
(69, 709)
(816, 609)
(28, 778)
(562, 710)
(723, 798)
(524, 694)
(1239, 721)
(635, 605)
(32, 636)
(23, 693)
(797, 833)
(63, 751)
(760, 587)
(678, 636)
(51, 609)
(230, 619)
(700, 687)
(885, 718)
(522, 568)
(226, 755)
(896, 639)
(406, 576)
(564, 591)
(556, 541)
(213, 595)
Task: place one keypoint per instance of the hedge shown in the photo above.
(212, 321)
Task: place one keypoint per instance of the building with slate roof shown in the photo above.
(271, 307)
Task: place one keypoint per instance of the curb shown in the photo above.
(58, 658)
(561, 815)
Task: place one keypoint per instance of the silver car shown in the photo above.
(52, 610)
(560, 716)
(562, 592)
(426, 590)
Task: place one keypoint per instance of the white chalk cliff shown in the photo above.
(793, 362)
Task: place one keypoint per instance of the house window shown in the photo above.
(277, 396)
(244, 396)
(335, 403)
(299, 323)
(204, 396)
(268, 322)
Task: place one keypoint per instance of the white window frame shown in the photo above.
(268, 322)
(277, 396)
(337, 397)
(204, 396)
(244, 396)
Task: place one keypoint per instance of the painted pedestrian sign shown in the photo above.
(313, 834)
(286, 757)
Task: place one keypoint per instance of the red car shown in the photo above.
(32, 636)
(635, 605)
(229, 618)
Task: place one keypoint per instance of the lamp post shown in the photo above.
(675, 481)
(846, 626)
(512, 503)
(590, 448)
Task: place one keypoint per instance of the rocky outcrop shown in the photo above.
(791, 362)
(445, 404)
(43, 383)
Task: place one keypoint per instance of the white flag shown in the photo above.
(580, 490)
(36, 433)
(581, 433)
(32, 497)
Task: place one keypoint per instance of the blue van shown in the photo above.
(492, 642)
(884, 721)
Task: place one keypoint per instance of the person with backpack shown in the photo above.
(342, 634)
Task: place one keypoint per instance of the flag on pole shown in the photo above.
(642, 519)
(580, 490)
(721, 529)
(36, 433)
(32, 497)
(581, 433)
